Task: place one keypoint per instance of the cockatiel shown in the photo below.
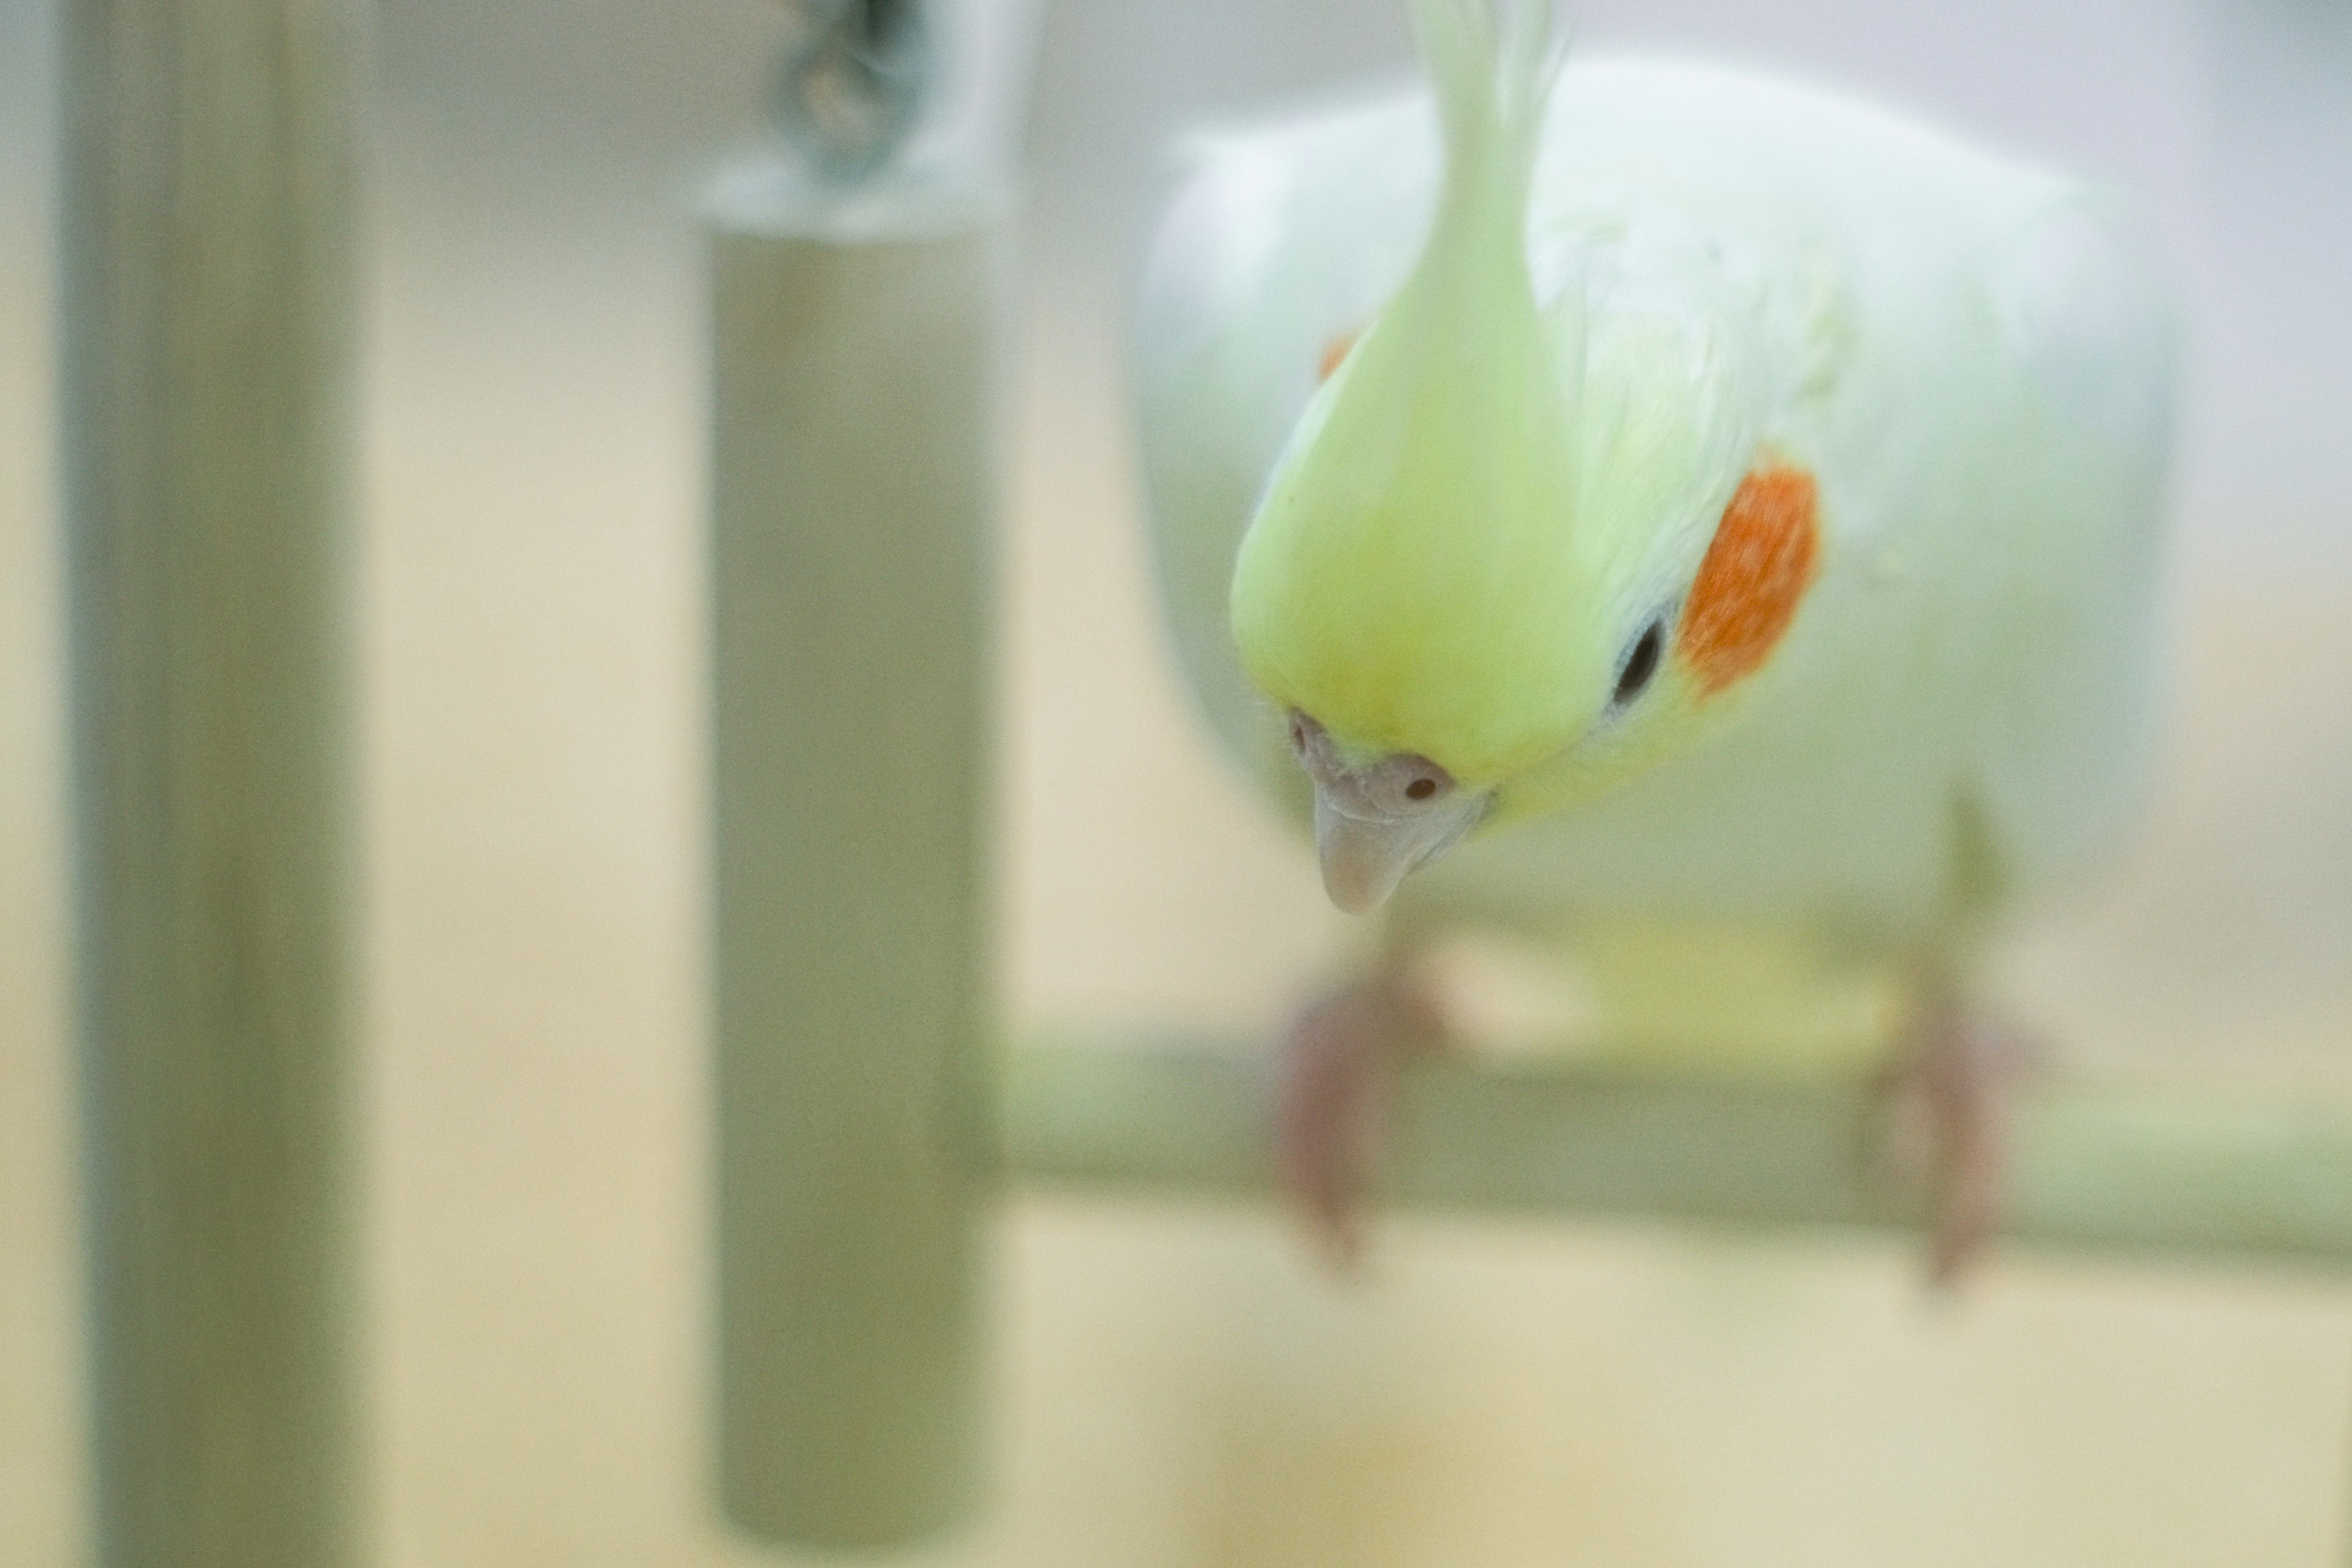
(1644, 491)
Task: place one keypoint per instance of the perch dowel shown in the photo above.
(2094, 1169)
(209, 314)
(853, 499)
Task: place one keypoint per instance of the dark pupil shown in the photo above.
(1641, 663)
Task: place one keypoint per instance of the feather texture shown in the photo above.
(1728, 274)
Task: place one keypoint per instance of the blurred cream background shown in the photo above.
(1177, 1388)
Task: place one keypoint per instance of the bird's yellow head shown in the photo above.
(1509, 555)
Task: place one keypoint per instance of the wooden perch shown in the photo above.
(2094, 1169)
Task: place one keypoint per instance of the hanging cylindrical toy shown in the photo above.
(853, 343)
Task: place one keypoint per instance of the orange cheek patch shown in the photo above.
(1334, 351)
(1755, 575)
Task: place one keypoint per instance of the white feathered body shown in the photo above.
(1966, 353)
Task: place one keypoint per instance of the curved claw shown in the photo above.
(1331, 1114)
(1957, 1070)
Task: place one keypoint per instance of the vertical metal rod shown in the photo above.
(208, 287)
(853, 495)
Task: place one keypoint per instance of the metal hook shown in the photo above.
(853, 84)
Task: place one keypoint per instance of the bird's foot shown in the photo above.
(1338, 1062)
(1948, 1086)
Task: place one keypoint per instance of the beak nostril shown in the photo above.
(1421, 789)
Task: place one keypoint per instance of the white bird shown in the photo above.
(1645, 494)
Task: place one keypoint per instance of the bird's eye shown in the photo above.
(1640, 665)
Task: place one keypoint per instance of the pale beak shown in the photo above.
(1376, 821)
